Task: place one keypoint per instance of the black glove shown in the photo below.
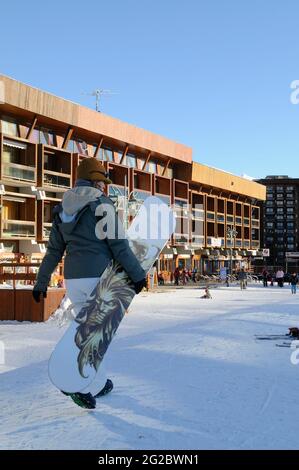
(37, 293)
(139, 285)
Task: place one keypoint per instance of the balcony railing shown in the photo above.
(19, 172)
(198, 240)
(211, 216)
(198, 214)
(17, 228)
(181, 238)
(52, 178)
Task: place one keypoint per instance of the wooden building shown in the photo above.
(42, 140)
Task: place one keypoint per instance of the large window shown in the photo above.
(131, 160)
(47, 137)
(10, 127)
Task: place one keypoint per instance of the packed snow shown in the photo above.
(188, 374)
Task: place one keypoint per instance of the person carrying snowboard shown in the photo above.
(73, 232)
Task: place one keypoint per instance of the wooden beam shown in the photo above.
(98, 147)
(124, 155)
(166, 167)
(146, 160)
(67, 137)
(31, 128)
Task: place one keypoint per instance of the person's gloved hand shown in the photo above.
(36, 293)
(139, 285)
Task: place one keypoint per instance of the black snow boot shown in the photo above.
(85, 400)
(106, 389)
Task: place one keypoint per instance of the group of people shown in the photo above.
(280, 277)
(184, 275)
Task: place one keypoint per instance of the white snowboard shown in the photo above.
(76, 359)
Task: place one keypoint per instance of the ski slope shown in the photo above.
(188, 374)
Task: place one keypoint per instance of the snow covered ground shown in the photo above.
(188, 374)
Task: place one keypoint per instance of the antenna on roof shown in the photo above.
(97, 94)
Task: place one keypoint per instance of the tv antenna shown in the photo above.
(98, 93)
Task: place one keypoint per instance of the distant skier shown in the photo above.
(87, 256)
(243, 279)
(265, 275)
(294, 282)
(207, 294)
(280, 277)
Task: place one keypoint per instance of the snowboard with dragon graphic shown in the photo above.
(77, 357)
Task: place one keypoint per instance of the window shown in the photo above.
(80, 147)
(131, 160)
(269, 189)
(269, 196)
(290, 239)
(279, 232)
(280, 210)
(46, 137)
(280, 254)
(280, 203)
(105, 154)
(290, 188)
(279, 188)
(290, 224)
(280, 239)
(269, 239)
(279, 224)
(290, 203)
(279, 196)
(290, 196)
(279, 217)
(290, 209)
(291, 247)
(269, 203)
(152, 167)
(290, 217)
(9, 127)
(270, 224)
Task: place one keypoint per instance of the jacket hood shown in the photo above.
(75, 199)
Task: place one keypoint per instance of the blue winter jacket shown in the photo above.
(73, 233)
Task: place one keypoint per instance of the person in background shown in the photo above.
(207, 294)
(280, 277)
(176, 275)
(243, 279)
(265, 275)
(294, 282)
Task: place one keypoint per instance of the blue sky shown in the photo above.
(213, 74)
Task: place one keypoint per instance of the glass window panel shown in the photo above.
(10, 128)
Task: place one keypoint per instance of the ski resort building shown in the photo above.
(42, 140)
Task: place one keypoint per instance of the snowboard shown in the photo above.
(77, 357)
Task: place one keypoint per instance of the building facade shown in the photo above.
(279, 221)
(42, 140)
